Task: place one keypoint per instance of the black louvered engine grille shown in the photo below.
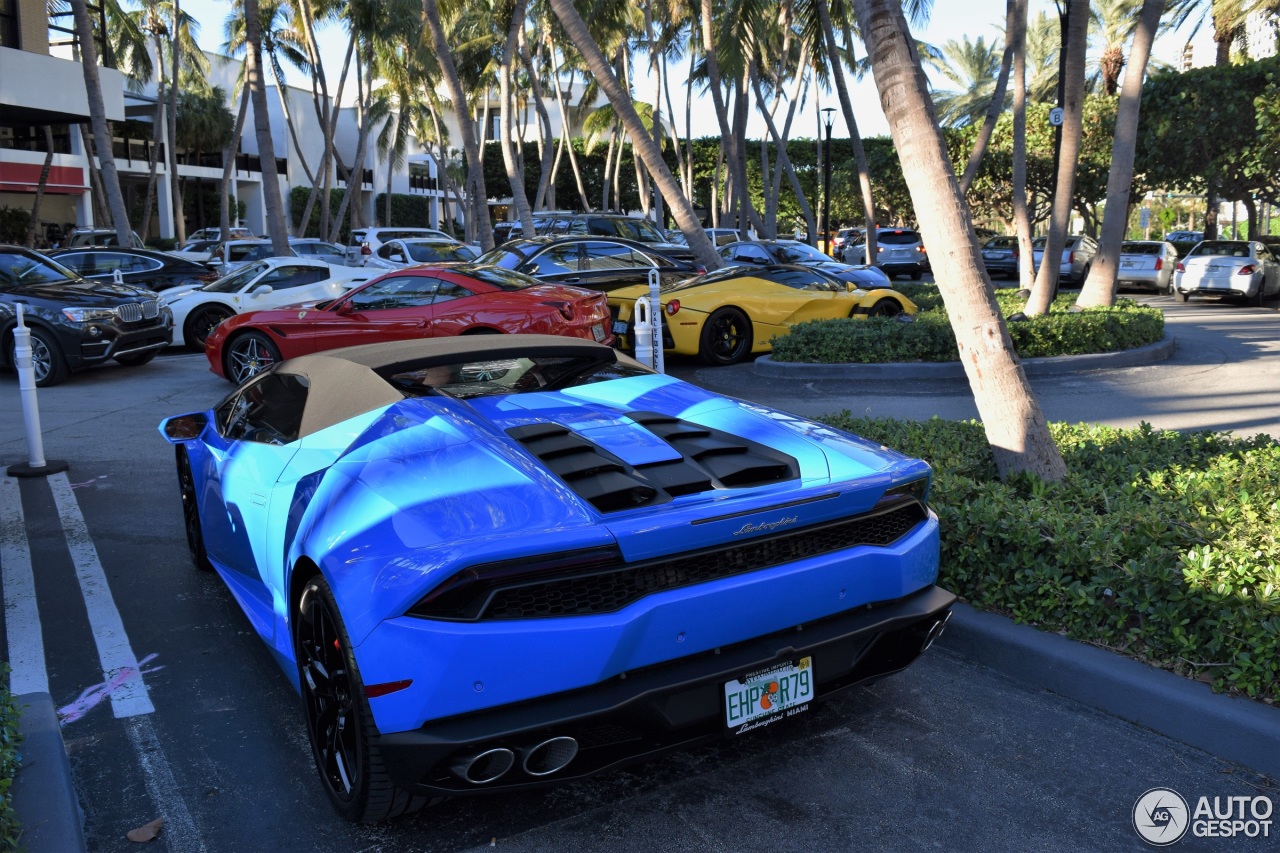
(607, 591)
(709, 459)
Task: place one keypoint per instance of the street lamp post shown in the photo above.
(826, 180)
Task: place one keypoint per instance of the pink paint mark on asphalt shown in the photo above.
(91, 696)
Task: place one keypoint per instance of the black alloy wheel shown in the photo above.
(885, 308)
(344, 741)
(191, 513)
(248, 355)
(201, 323)
(726, 337)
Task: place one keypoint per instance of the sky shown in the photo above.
(951, 19)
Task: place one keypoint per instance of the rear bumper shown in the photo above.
(666, 707)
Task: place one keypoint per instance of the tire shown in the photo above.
(885, 308)
(344, 740)
(1179, 296)
(46, 357)
(248, 355)
(917, 275)
(726, 337)
(201, 322)
(1256, 300)
(191, 512)
(136, 358)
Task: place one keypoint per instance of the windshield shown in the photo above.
(503, 279)
(640, 230)
(237, 280)
(1141, 249)
(798, 253)
(23, 268)
(1223, 248)
(425, 252)
(510, 376)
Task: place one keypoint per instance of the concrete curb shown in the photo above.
(1150, 354)
(43, 794)
(1238, 730)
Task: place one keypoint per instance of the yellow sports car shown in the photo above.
(725, 315)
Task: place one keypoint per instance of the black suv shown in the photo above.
(75, 322)
(616, 225)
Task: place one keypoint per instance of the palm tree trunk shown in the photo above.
(784, 162)
(703, 250)
(1100, 288)
(608, 170)
(355, 180)
(171, 116)
(506, 68)
(153, 157)
(1046, 286)
(110, 178)
(993, 110)
(101, 214)
(1015, 426)
(546, 139)
(34, 222)
(855, 138)
(228, 165)
(1017, 36)
(475, 169)
(564, 135)
(256, 82)
(675, 142)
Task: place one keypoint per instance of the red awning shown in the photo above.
(25, 178)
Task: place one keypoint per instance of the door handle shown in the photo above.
(572, 280)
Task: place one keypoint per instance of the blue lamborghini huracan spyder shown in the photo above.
(495, 562)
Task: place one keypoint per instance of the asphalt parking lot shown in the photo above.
(946, 755)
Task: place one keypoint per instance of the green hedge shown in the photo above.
(930, 337)
(10, 761)
(1159, 545)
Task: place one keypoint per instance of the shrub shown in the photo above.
(930, 338)
(10, 761)
(1159, 545)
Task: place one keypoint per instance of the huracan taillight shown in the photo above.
(1247, 269)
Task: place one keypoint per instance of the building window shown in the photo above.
(9, 24)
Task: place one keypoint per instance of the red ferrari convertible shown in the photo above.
(420, 302)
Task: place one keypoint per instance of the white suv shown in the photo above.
(366, 241)
(82, 237)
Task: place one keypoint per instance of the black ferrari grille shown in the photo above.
(606, 588)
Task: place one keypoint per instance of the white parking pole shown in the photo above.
(37, 465)
(655, 317)
(642, 332)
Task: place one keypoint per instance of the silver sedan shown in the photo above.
(1147, 264)
(1241, 269)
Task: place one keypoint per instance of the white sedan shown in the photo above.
(1241, 269)
(269, 283)
(401, 253)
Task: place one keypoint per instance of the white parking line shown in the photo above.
(27, 671)
(119, 664)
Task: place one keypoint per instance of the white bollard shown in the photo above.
(117, 277)
(655, 319)
(37, 465)
(643, 332)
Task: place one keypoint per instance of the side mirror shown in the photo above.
(262, 290)
(183, 427)
(345, 307)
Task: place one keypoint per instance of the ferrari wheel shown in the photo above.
(726, 337)
(249, 355)
(191, 513)
(344, 741)
(202, 322)
(885, 308)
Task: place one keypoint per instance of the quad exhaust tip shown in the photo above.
(547, 757)
(484, 767)
(935, 632)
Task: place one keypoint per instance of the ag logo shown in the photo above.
(1161, 817)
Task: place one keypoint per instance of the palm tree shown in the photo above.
(1100, 288)
(995, 107)
(1016, 33)
(262, 125)
(98, 117)
(643, 143)
(515, 173)
(971, 67)
(1015, 426)
(1114, 21)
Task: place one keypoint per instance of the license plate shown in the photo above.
(619, 327)
(762, 698)
(597, 331)
(1128, 265)
(1216, 268)
(991, 256)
